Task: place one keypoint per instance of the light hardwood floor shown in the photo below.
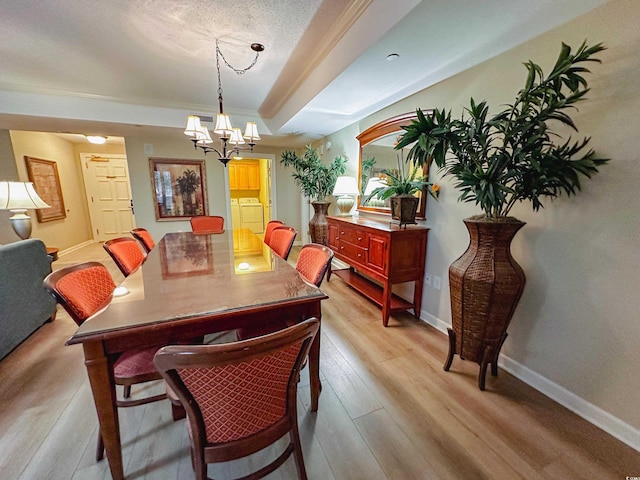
(387, 411)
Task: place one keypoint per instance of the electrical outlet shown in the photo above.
(437, 282)
(427, 279)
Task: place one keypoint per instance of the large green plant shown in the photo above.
(511, 156)
(315, 179)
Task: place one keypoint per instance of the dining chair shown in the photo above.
(83, 290)
(240, 397)
(313, 262)
(281, 240)
(271, 224)
(207, 224)
(126, 253)
(144, 237)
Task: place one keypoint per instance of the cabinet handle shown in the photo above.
(359, 238)
(359, 255)
(341, 248)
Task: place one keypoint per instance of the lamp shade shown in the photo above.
(251, 132)
(346, 185)
(193, 126)
(236, 137)
(223, 125)
(19, 196)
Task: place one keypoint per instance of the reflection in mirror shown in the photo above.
(377, 153)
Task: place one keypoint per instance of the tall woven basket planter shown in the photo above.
(318, 225)
(486, 285)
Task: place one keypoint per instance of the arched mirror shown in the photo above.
(377, 153)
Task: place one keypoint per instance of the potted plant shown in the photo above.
(316, 180)
(497, 161)
(401, 189)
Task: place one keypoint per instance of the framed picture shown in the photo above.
(44, 175)
(179, 188)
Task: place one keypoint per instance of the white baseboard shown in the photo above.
(591, 413)
(75, 247)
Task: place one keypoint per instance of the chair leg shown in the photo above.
(297, 453)
(177, 412)
(100, 447)
(126, 393)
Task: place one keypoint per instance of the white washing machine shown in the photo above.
(235, 213)
(251, 214)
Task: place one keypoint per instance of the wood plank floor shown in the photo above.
(387, 411)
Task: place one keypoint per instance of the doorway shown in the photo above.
(108, 190)
(251, 204)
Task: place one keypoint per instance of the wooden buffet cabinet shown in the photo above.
(382, 252)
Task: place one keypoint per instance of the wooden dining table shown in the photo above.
(190, 285)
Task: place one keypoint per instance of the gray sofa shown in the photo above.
(24, 303)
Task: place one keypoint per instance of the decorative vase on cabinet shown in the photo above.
(318, 226)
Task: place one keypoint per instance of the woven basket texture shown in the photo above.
(486, 284)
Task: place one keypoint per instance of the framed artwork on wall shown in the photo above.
(179, 188)
(44, 175)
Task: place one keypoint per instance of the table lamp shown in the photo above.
(18, 197)
(345, 190)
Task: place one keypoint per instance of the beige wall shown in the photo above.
(75, 228)
(575, 333)
(177, 146)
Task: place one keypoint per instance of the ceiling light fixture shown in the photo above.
(96, 139)
(392, 56)
(231, 138)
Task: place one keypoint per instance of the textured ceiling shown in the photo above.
(110, 65)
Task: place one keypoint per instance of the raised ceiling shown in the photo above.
(108, 66)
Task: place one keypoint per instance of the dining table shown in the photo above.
(191, 285)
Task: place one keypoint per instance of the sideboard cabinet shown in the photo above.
(379, 255)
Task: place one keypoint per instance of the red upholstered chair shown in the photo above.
(240, 397)
(269, 229)
(126, 253)
(313, 262)
(207, 224)
(281, 241)
(144, 237)
(85, 289)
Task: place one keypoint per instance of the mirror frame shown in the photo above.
(379, 130)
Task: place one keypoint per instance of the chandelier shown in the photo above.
(231, 139)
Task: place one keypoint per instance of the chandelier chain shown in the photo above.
(239, 71)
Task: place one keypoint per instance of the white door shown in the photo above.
(106, 182)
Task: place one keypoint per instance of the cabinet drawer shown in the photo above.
(357, 254)
(353, 236)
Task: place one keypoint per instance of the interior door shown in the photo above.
(106, 181)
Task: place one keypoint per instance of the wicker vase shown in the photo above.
(318, 226)
(486, 284)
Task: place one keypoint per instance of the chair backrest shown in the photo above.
(313, 262)
(240, 392)
(269, 229)
(281, 240)
(126, 253)
(207, 224)
(144, 237)
(81, 289)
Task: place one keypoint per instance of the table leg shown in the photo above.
(314, 372)
(103, 388)
(386, 303)
(417, 298)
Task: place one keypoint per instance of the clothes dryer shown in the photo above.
(251, 214)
